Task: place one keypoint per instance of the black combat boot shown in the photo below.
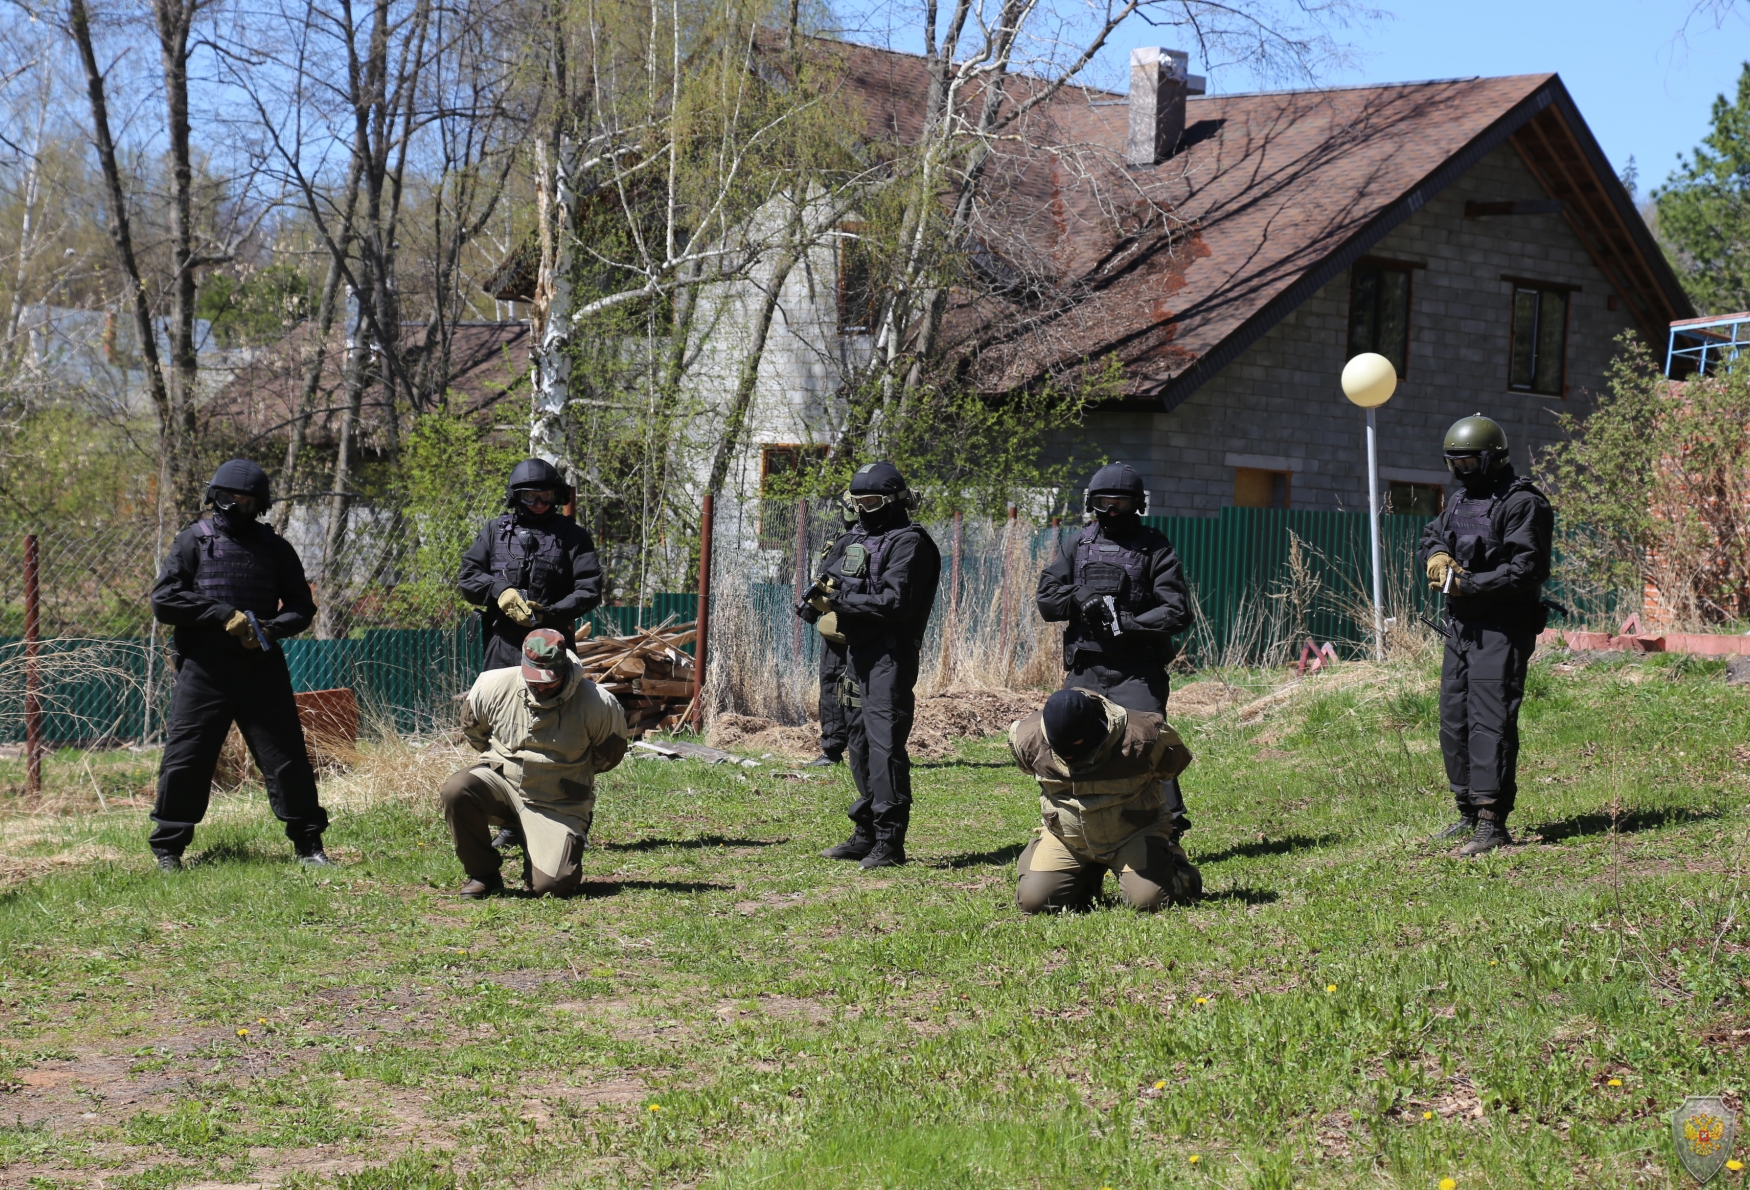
(825, 760)
(1490, 835)
(167, 861)
(1466, 825)
(509, 835)
(860, 843)
(887, 853)
(311, 855)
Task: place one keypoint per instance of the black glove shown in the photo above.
(1091, 606)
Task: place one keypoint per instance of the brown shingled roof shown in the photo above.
(1178, 267)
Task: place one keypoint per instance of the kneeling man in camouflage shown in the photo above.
(543, 732)
(1101, 770)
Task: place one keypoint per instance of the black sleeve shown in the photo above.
(586, 578)
(475, 580)
(1172, 613)
(900, 599)
(1527, 524)
(1055, 594)
(175, 598)
(1433, 539)
(297, 606)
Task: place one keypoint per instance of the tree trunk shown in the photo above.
(550, 379)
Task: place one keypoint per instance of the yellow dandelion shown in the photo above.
(1329, 988)
(1494, 962)
(1427, 1115)
(243, 1032)
(1448, 1184)
(1161, 1085)
(1203, 999)
(1195, 1158)
(1615, 1082)
(261, 1020)
(656, 1107)
(1734, 1165)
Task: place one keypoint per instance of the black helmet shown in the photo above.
(884, 480)
(1117, 479)
(1479, 438)
(239, 475)
(537, 475)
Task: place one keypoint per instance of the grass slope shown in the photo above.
(1349, 1006)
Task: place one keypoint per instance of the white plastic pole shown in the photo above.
(1373, 519)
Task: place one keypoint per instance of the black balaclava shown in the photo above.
(881, 479)
(1479, 484)
(238, 475)
(1118, 479)
(1075, 724)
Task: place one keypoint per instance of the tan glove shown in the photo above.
(1439, 566)
(520, 610)
(238, 626)
(828, 627)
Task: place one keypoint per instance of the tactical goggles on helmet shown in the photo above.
(529, 497)
(872, 501)
(1466, 464)
(226, 500)
(1113, 505)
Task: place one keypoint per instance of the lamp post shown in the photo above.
(1369, 381)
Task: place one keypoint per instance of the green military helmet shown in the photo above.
(1475, 443)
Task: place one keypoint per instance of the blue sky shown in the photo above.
(1644, 88)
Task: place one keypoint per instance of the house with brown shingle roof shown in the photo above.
(1233, 251)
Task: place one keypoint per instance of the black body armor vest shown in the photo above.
(238, 570)
(533, 559)
(1118, 569)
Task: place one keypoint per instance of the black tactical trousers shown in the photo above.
(884, 673)
(835, 733)
(1482, 683)
(1135, 686)
(255, 691)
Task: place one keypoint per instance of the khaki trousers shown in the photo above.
(1152, 871)
(477, 799)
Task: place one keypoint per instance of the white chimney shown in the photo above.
(1159, 83)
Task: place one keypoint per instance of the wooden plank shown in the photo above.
(664, 689)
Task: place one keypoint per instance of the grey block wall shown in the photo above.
(1279, 404)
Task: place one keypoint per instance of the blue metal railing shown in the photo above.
(1699, 340)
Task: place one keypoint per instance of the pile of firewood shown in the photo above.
(648, 671)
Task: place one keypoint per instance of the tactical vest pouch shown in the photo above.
(856, 560)
(1103, 578)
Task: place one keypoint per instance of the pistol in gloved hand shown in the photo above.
(1443, 572)
(817, 600)
(520, 611)
(1095, 612)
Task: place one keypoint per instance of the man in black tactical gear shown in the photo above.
(1489, 553)
(1118, 587)
(232, 588)
(835, 733)
(532, 567)
(880, 590)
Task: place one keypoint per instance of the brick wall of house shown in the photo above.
(1279, 406)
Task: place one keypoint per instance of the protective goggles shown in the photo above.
(1465, 464)
(872, 501)
(228, 501)
(529, 497)
(1113, 505)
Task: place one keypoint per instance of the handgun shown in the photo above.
(261, 638)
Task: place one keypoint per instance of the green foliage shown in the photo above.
(257, 309)
(1704, 209)
(453, 472)
(1654, 485)
(61, 467)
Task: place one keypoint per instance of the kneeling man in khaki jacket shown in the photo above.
(1100, 769)
(543, 733)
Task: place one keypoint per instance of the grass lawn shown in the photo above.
(1350, 1005)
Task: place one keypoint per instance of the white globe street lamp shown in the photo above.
(1369, 381)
